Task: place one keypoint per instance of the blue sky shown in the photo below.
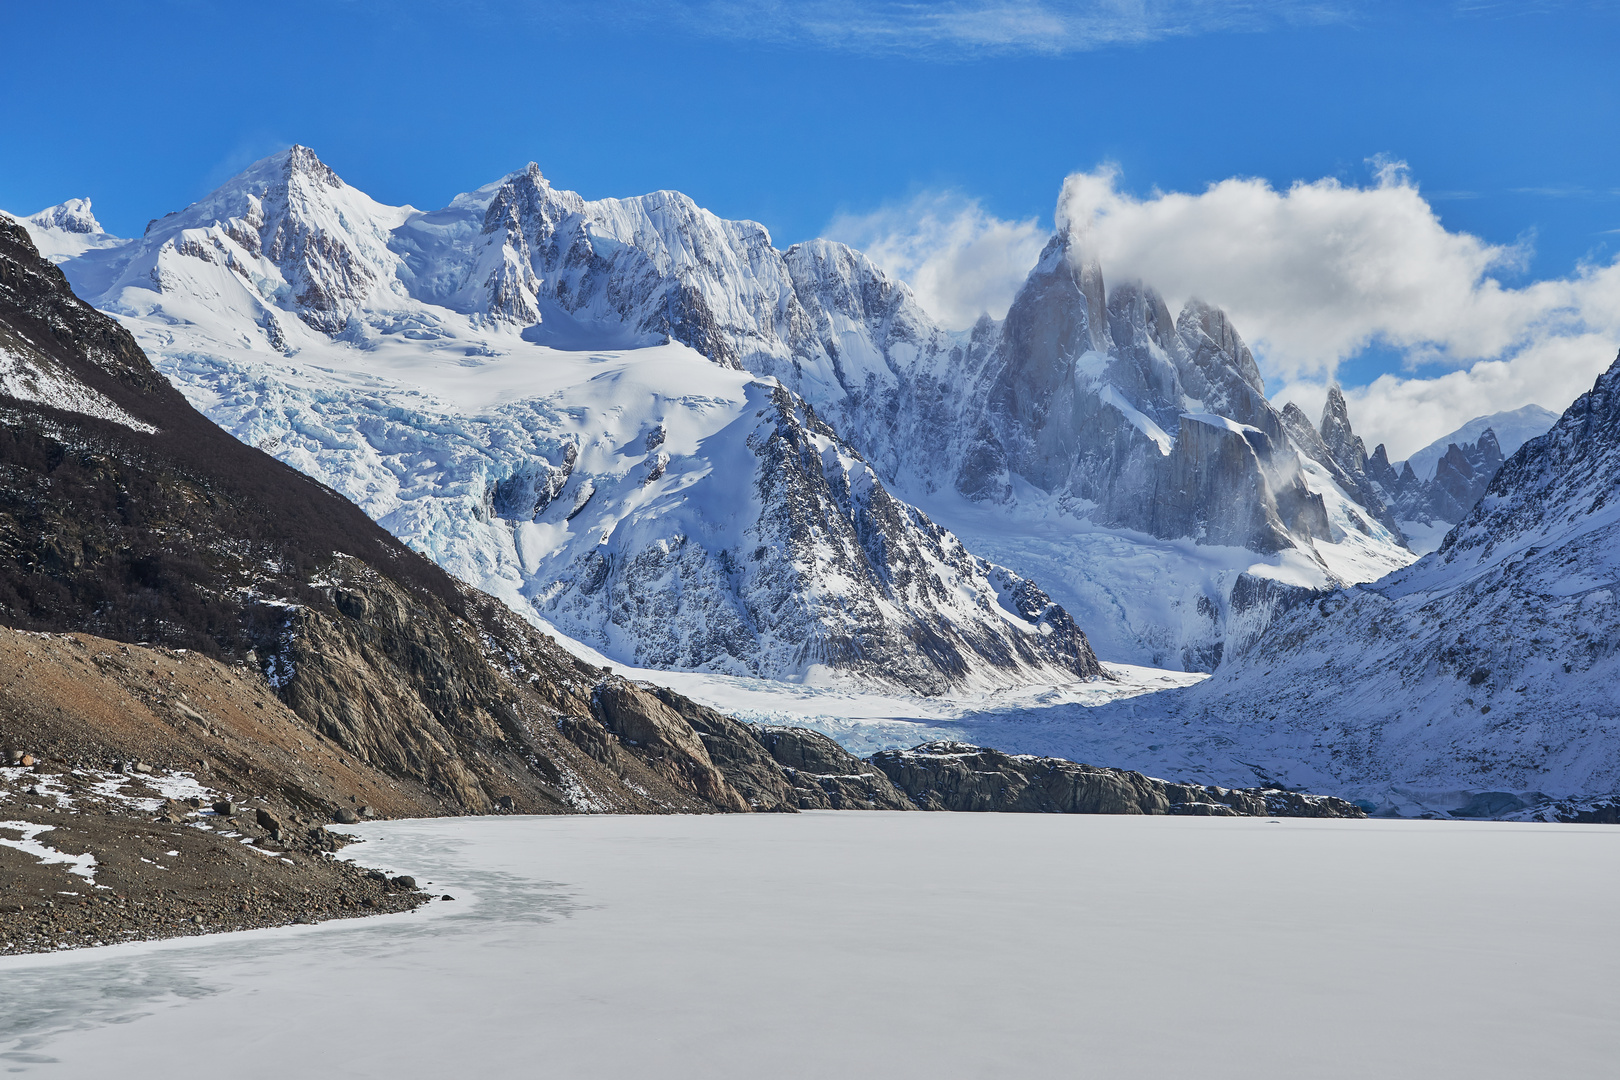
(800, 115)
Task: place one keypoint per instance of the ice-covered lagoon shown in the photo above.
(886, 945)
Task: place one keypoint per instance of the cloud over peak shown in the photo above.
(1313, 275)
(960, 261)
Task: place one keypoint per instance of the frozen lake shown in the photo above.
(872, 945)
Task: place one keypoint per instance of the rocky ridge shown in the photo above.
(823, 570)
(1461, 477)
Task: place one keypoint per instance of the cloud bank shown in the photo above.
(961, 261)
(1312, 275)
(1316, 273)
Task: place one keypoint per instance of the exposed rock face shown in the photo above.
(1460, 479)
(958, 776)
(1219, 371)
(1344, 456)
(1344, 444)
(662, 736)
(1082, 401)
(736, 750)
(787, 769)
(825, 776)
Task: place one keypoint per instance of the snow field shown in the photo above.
(906, 945)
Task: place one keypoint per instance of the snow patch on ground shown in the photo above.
(80, 865)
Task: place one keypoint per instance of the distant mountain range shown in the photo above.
(145, 553)
(1511, 429)
(432, 366)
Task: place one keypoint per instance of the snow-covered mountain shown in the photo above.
(1512, 429)
(1482, 681)
(668, 510)
(440, 368)
(69, 230)
(1437, 486)
(1428, 508)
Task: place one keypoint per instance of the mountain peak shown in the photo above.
(72, 216)
(301, 160)
(1511, 430)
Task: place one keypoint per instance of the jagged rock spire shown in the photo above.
(1342, 442)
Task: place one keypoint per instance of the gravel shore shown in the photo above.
(93, 857)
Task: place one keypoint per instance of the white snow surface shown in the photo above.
(885, 944)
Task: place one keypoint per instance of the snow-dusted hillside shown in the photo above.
(1126, 458)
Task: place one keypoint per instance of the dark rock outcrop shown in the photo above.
(662, 738)
(959, 776)
(825, 776)
(736, 750)
(785, 768)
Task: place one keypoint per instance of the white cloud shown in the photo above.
(974, 27)
(960, 260)
(1314, 274)
(1406, 413)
